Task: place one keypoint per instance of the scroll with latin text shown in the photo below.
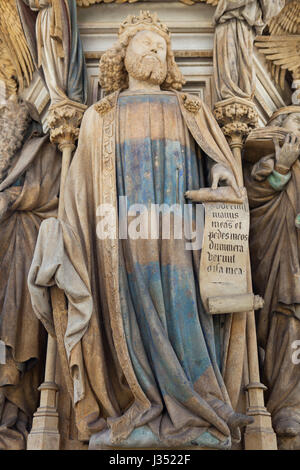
(223, 268)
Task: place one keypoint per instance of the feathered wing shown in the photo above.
(13, 40)
(283, 52)
(288, 20)
(282, 47)
(87, 3)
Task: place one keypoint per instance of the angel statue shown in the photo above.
(29, 184)
(237, 23)
(273, 181)
(143, 353)
(52, 34)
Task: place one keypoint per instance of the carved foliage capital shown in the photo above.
(64, 121)
(236, 119)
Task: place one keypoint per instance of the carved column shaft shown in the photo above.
(64, 122)
(237, 117)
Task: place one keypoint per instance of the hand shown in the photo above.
(286, 155)
(220, 172)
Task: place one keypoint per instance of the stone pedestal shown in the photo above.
(259, 435)
(44, 434)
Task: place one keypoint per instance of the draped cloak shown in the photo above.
(34, 181)
(237, 22)
(274, 242)
(109, 368)
(55, 44)
(275, 258)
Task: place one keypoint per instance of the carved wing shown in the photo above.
(282, 47)
(288, 20)
(87, 3)
(283, 52)
(13, 43)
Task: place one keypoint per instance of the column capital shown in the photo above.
(237, 117)
(64, 121)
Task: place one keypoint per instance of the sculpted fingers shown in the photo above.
(294, 147)
(297, 143)
(293, 139)
(220, 172)
(232, 182)
(215, 180)
(276, 145)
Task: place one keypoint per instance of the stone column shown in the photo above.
(237, 117)
(64, 122)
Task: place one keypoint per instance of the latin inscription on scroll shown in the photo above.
(223, 269)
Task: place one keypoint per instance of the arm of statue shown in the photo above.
(286, 156)
(259, 190)
(274, 171)
(218, 173)
(271, 174)
(228, 193)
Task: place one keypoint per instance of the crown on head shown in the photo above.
(145, 20)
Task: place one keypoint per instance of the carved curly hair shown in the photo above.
(113, 75)
(14, 122)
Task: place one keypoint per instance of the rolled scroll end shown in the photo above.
(234, 304)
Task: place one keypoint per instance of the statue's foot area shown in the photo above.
(286, 422)
(288, 443)
(288, 427)
(143, 438)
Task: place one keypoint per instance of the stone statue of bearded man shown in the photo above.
(143, 354)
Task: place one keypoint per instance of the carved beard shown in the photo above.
(14, 121)
(148, 69)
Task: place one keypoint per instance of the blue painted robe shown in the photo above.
(169, 335)
(141, 346)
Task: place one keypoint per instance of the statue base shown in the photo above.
(142, 438)
(288, 443)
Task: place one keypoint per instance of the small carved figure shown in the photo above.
(56, 46)
(237, 23)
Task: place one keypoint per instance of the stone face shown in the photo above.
(141, 72)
